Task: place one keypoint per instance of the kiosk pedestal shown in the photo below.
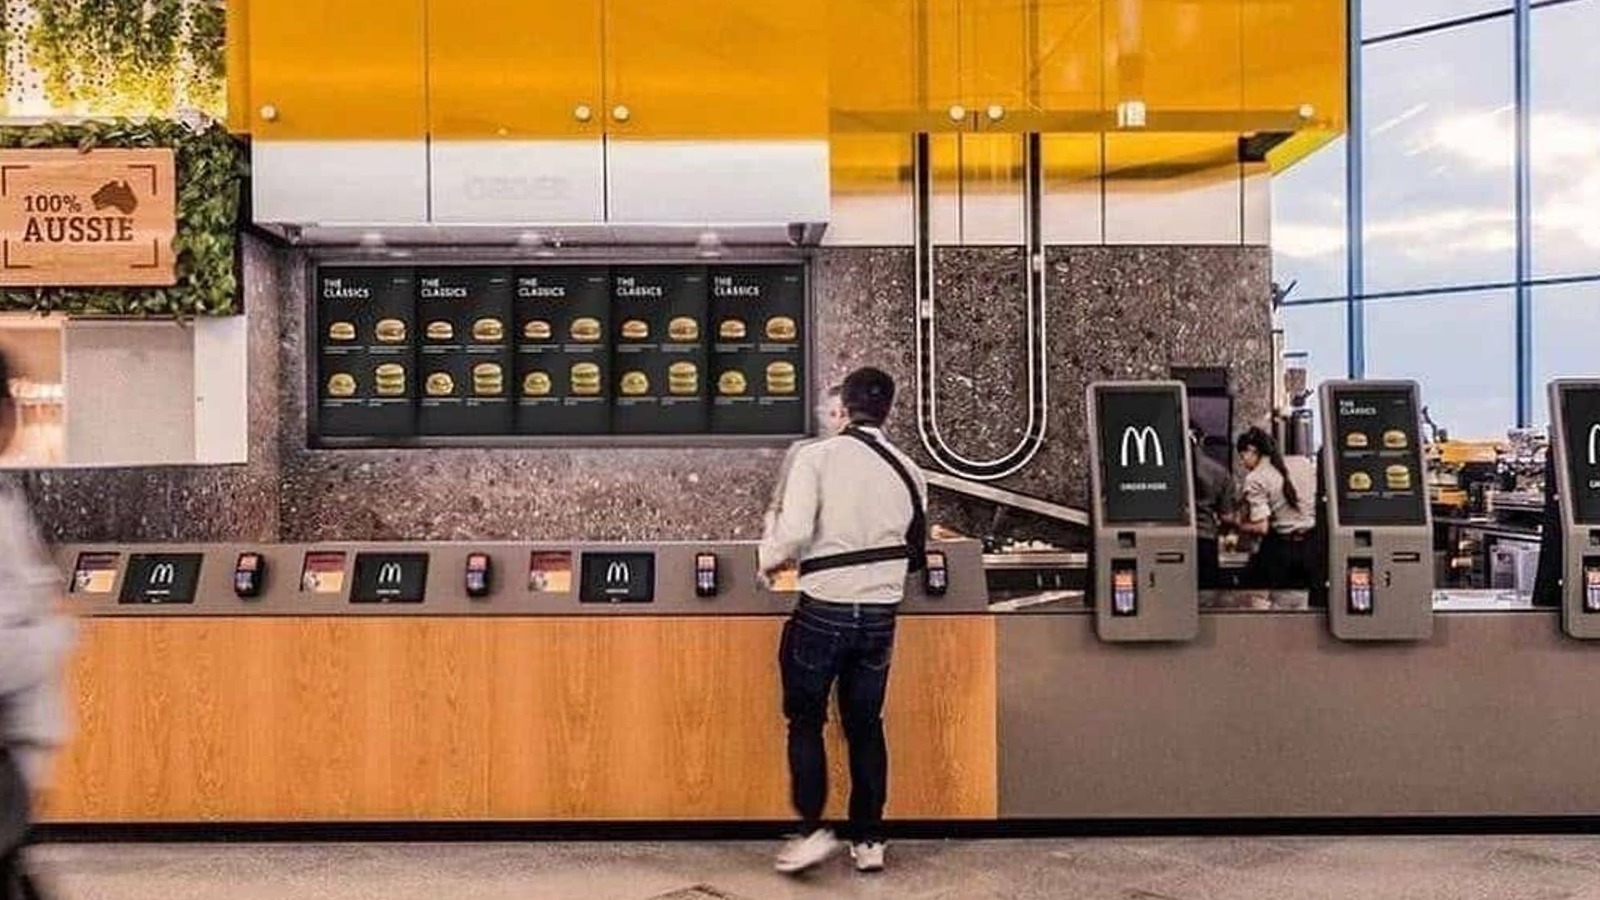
(1575, 418)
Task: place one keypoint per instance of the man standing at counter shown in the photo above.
(852, 515)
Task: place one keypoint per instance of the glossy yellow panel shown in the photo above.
(1069, 65)
(1159, 157)
(864, 163)
(1294, 54)
(716, 68)
(514, 69)
(1174, 54)
(998, 43)
(237, 25)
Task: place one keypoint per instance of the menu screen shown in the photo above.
(390, 578)
(464, 358)
(618, 578)
(1580, 412)
(1142, 443)
(404, 354)
(758, 322)
(1378, 458)
(563, 365)
(366, 351)
(160, 578)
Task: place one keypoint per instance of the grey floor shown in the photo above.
(1507, 868)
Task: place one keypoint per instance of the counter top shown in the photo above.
(1259, 601)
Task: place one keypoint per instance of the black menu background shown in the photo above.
(462, 296)
(559, 295)
(1153, 486)
(1580, 413)
(755, 295)
(362, 296)
(1373, 412)
(655, 295)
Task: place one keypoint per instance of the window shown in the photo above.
(1381, 17)
(1460, 347)
(1565, 141)
(1439, 147)
(1318, 330)
(1566, 337)
(1309, 225)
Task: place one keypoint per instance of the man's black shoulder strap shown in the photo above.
(914, 550)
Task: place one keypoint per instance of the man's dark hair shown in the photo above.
(868, 394)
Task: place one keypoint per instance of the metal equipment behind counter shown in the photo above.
(491, 579)
(1376, 570)
(1145, 571)
(1575, 418)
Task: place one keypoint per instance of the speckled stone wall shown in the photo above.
(1113, 312)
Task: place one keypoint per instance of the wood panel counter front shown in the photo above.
(254, 719)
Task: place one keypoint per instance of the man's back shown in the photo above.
(841, 497)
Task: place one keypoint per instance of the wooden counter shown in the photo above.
(257, 719)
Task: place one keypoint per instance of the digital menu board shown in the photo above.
(1377, 477)
(757, 359)
(563, 366)
(464, 354)
(1142, 441)
(160, 578)
(659, 350)
(366, 351)
(1580, 415)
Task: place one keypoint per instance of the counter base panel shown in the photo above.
(460, 719)
(1270, 716)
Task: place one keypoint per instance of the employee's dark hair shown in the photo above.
(868, 394)
(1258, 440)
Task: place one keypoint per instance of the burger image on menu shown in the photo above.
(537, 384)
(731, 330)
(342, 331)
(683, 378)
(1360, 481)
(1395, 439)
(780, 378)
(487, 379)
(536, 330)
(731, 382)
(683, 329)
(585, 330)
(585, 378)
(488, 331)
(1356, 440)
(390, 331)
(439, 331)
(634, 384)
(635, 329)
(341, 384)
(390, 380)
(781, 328)
(1398, 478)
(440, 384)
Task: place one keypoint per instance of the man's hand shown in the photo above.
(763, 581)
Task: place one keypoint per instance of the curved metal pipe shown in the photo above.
(927, 357)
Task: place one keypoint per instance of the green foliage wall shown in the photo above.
(210, 172)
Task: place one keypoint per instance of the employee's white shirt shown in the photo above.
(840, 496)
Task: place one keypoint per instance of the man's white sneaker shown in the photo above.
(802, 853)
(868, 857)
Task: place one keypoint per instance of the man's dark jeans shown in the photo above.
(851, 644)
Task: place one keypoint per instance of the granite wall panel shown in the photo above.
(1112, 312)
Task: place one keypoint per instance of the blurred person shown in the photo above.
(1214, 502)
(853, 516)
(34, 640)
(1274, 511)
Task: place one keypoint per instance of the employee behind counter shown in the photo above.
(1276, 511)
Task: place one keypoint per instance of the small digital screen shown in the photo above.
(390, 578)
(95, 573)
(1377, 458)
(161, 578)
(550, 571)
(1580, 414)
(323, 573)
(1143, 445)
(618, 578)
